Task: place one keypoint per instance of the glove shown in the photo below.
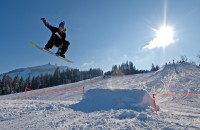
(43, 19)
(45, 22)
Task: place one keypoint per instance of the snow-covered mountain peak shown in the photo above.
(34, 71)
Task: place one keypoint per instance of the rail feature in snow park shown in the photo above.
(49, 92)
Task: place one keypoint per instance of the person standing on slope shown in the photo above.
(57, 38)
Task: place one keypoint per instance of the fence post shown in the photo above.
(25, 92)
(83, 91)
(154, 101)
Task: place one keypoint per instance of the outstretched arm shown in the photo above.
(52, 28)
(45, 22)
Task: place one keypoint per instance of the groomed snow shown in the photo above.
(177, 89)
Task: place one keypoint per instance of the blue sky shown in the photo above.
(102, 33)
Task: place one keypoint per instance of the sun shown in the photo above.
(164, 37)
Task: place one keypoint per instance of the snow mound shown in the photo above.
(107, 99)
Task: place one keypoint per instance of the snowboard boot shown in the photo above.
(62, 55)
(46, 48)
(58, 54)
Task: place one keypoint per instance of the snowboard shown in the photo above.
(50, 52)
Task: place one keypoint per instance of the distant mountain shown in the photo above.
(34, 71)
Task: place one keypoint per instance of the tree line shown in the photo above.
(17, 84)
(128, 68)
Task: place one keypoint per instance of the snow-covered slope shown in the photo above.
(34, 71)
(177, 89)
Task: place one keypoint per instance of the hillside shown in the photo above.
(34, 71)
(115, 103)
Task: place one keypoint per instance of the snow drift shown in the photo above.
(106, 99)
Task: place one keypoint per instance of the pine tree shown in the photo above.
(127, 68)
(152, 67)
(1, 87)
(114, 68)
(7, 84)
(28, 82)
(65, 76)
(68, 75)
(157, 67)
(56, 77)
(15, 85)
(76, 75)
(35, 83)
(21, 84)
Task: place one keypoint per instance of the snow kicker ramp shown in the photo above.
(107, 99)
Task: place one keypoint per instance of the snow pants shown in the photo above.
(56, 41)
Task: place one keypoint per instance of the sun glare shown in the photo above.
(164, 37)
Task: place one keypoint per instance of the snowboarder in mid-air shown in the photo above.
(57, 38)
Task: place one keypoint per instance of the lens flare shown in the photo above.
(164, 37)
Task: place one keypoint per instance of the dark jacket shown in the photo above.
(55, 31)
